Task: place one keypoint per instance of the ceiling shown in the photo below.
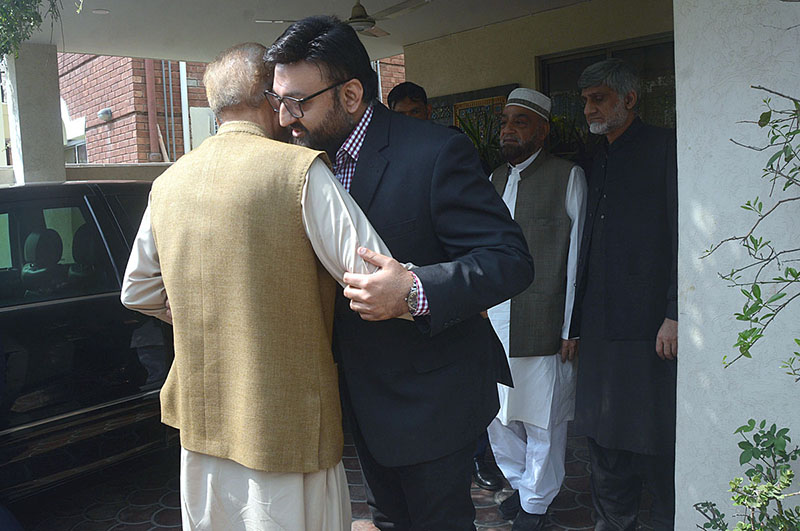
(196, 30)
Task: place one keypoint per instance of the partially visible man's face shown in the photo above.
(325, 124)
(522, 133)
(605, 111)
(414, 109)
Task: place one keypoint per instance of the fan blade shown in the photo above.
(273, 21)
(400, 8)
(374, 31)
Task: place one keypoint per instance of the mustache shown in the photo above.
(505, 139)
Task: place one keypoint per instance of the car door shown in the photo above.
(72, 355)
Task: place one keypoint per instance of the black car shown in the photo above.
(79, 373)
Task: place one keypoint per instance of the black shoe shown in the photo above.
(485, 476)
(528, 522)
(510, 506)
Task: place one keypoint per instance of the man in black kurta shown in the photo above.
(626, 305)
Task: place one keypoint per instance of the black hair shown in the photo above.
(330, 44)
(405, 90)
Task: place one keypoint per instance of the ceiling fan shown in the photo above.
(363, 22)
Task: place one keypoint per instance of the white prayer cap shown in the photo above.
(530, 99)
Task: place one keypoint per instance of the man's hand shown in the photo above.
(569, 350)
(382, 294)
(667, 340)
(169, 311)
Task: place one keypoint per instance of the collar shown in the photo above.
(522, 166)
(630, 133)
(352, 146)
(241, 126)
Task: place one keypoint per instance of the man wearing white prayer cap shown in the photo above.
(546, 196)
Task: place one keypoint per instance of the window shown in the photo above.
(653, 60)
(2, 82)
(75, 153)
(49, 253)
(5, 243)
(129, 209)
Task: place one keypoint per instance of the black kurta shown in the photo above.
(627, 285)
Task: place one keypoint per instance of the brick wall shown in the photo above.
(90, 83)
(393, 72)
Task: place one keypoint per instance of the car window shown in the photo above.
(5, 243)
(51, 252)
(65, 221)
(129, 209)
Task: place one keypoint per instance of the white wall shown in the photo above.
(507, 52)
(721, 48)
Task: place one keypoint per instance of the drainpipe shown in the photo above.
(377, 66)
(152, 123)
(187, 138)
(171, 110)
(166, 119)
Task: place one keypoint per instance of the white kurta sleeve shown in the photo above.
(336, 226)
(575, 205)
(142, 286)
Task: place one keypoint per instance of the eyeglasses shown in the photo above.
(295, 105)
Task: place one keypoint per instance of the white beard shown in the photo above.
(618, 116)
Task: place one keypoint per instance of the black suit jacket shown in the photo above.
(421, 390)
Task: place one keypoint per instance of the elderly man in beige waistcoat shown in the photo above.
(546, 196)
(238, 235)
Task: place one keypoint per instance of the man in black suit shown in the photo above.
(420, 392)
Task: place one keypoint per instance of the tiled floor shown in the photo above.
(142, 494)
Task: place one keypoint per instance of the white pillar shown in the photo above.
(35, 114)
(721, 48)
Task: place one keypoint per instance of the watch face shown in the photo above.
(412, 301)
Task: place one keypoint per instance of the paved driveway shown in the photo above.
(142, 494)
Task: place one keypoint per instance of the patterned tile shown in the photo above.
(142, 494)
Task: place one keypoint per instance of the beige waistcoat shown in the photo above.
(537, 314)
(253, 378)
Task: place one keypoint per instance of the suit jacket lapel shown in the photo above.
(371, 163)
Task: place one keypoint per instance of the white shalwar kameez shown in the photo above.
(220, 494)
(529, 434)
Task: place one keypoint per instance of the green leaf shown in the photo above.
(756, 290)
(764, 118)
(776, 297)
(745, 457)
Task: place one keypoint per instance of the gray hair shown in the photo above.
(237, 76)
(618, 75)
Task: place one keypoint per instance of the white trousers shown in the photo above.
(532, 460)
(220, 494)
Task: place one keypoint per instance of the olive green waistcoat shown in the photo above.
(253, 378)
(537, 314)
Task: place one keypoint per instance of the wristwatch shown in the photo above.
(411, 298)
